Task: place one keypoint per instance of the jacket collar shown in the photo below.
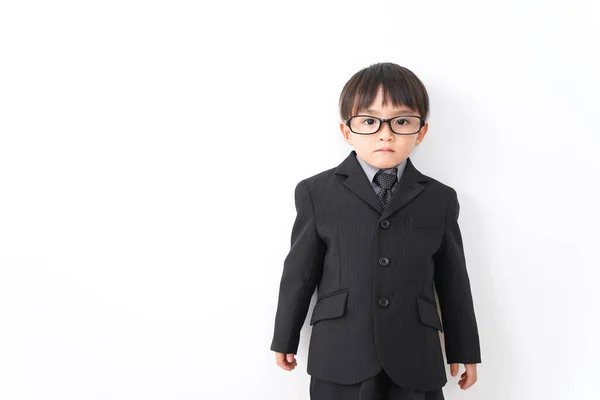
(408, 188)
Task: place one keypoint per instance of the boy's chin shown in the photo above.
(386, 159)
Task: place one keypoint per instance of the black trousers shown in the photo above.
(380, 387)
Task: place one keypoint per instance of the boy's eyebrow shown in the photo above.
(396, 111)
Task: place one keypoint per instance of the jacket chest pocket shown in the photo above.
(330, 305)
(424, 234)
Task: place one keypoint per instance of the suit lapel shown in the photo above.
(357, 181)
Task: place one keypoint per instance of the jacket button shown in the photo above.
(384, 261)
(384, 224)
(384, 302)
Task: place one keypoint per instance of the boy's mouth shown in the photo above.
(385, 149)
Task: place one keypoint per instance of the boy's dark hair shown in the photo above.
(400, 85)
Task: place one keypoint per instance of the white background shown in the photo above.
(148, 157)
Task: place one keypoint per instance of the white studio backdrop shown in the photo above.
(149, 153)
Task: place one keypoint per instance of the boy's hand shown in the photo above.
(286, 361)
(469, 377)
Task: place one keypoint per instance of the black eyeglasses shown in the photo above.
(401, 125)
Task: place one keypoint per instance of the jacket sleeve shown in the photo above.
(302, 269)
(452, 285)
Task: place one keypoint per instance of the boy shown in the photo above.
(378, 239)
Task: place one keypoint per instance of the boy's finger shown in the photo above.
(454, 369)
(284, 365)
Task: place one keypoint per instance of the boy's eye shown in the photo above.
(402, 122)
(368, 121)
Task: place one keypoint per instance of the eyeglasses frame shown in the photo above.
(382, 120)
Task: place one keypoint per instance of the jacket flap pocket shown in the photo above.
(428, 313)
(424, 221)
(331, 305)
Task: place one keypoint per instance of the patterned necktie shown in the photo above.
(386, 182)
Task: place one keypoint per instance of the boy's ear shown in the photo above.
(421, 134)
(345, 133)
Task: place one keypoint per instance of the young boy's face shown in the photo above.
(368, 147)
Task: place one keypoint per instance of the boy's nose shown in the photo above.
(386, 131)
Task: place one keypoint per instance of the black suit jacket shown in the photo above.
(377, 272)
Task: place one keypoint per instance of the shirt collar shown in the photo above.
(370, 170)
